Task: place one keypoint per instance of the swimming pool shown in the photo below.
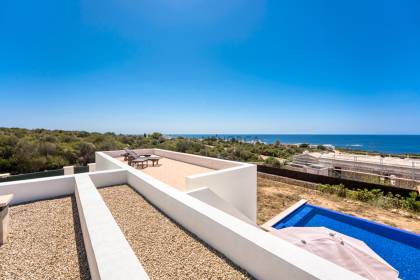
(399, 248)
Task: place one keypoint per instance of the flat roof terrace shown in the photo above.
(45, 242)
(172, 172)
(165, 249)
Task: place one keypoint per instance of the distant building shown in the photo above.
(400, 172)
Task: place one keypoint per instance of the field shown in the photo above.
(274, 197)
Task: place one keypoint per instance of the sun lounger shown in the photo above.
(140, 161)
(126, 154)
(132, 155)
(134, 158)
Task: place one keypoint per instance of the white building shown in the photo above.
(212, 199)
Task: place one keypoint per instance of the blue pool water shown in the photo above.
(399, 248)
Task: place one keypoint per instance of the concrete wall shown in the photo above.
(237, 186)
(290, 181)
(109, 178)
(212, 163)
(37, 189)
(118, 153)
(208, 162)
(261, 254)
(103, 161)
(109, 254)
(209, 197)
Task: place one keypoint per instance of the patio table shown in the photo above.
(154, 160)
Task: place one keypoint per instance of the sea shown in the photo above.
(387, 144)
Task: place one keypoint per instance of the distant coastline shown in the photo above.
(386, 144)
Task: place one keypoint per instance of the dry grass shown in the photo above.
(274, 197)
(45, 242)
(166, 250)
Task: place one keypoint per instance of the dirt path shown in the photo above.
(274, 197)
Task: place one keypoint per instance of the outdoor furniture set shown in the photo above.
(137, 160)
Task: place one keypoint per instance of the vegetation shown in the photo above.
(271, 161)
(376, 197)
(24, 150)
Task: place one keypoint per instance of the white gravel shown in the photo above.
(45, 242)
(165, 249)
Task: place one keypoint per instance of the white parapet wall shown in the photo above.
(92, 167)
(37, 189)
(208, 162)
(261, 254)
(109, 177)
(109, 254)
(234, 182)
(110, 257)
(68, 170)
(236, 185)
(103, 162)
(208, 196)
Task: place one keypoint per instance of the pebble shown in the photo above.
(165, 249)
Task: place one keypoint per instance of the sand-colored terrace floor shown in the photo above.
(172, 172)
(165, 249)
(45, 242)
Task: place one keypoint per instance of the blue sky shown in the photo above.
(197, 66)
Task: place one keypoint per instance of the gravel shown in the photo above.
(165, 249)
(45, 242)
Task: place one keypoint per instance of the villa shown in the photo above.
(187, 217)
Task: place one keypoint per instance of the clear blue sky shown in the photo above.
(214, 66)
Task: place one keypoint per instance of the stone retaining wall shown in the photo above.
(290, 181)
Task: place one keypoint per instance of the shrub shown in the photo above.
(339, 190)
(271, 161)
(375, 197)
(411, 202)
(364, 195)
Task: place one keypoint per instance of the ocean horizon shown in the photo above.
(388, 144)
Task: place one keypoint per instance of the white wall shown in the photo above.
(208, 196)
(109, 178)
(237, 186)
(116, 153)
(208, 162)
(261, 254)
(37, 189)
(45, 188)
(109, 254)
(103, 162)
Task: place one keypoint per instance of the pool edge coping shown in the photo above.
(268, 226)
